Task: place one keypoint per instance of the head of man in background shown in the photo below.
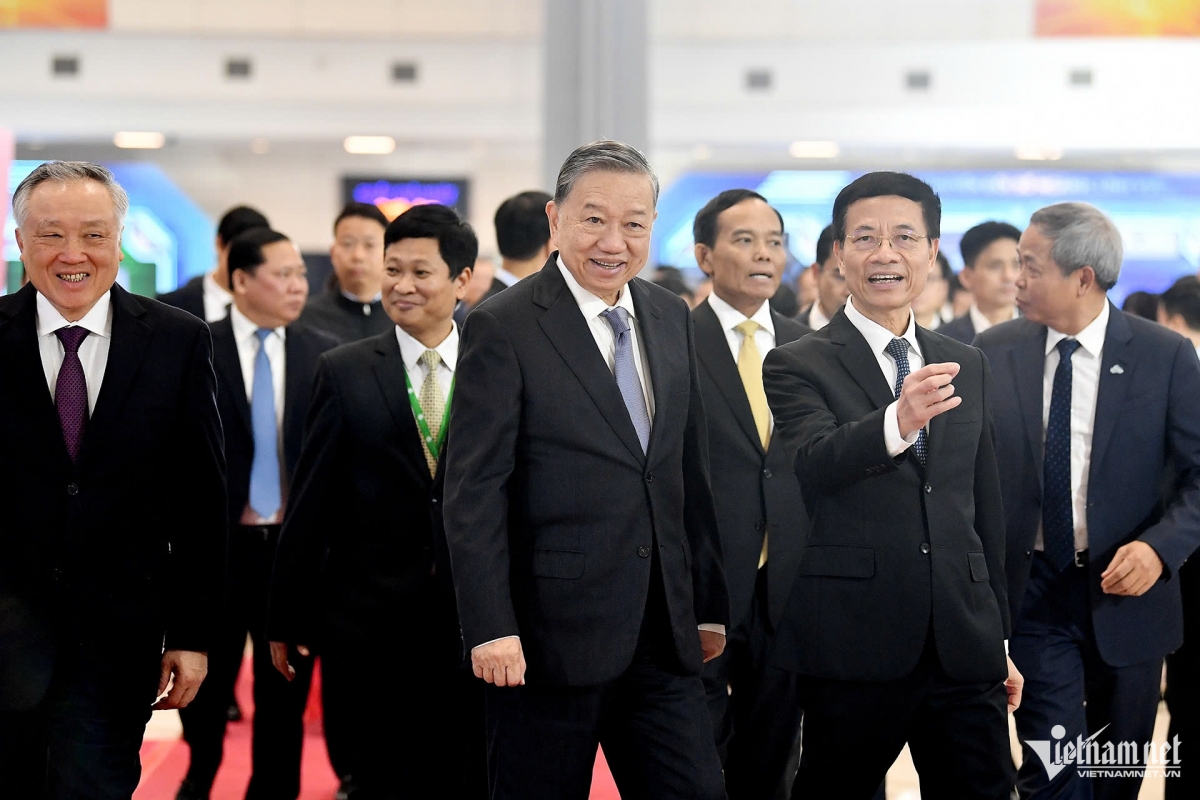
(806, 286)
(929, 304)
(739, 245)
(990, 269)
(234, 222)
(831, 284)
(522, 236)
(428, 254)
(1179, 309)
(69, 235)
(268, 278)
(357, 251)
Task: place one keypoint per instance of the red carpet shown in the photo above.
(164, 763)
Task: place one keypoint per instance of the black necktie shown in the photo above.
(1058, 520)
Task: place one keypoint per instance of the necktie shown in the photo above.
(264, 470)
(433, 405)
(749, 364)
(70, 391)
(898, 350)
(626, 374)
(1058, 520)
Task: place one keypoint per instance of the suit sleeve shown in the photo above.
(826, 456)
(198, 540)
(989, 503)
(485, 417)
(710, 594)
(291, 604)
(1177, 534)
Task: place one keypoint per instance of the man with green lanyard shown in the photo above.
(361, 574)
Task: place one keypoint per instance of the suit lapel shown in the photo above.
(856, 356)
(1110, 395)
(656, 346)
(228, 365)
(568, 332)
(19, 334)
(390, 375)
(712, 350)
(1029, 366)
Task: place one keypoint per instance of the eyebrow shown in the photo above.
(640, 212)
(868, 227)
(740, 231)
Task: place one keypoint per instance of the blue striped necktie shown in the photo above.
(626, 374)
(264, 471)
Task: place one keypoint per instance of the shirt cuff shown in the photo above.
(1006, 647)
(712, 627)
(895, 443)
(501, 639)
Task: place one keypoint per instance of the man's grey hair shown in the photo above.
(605, 155)
(1082, 236)
(68, 172)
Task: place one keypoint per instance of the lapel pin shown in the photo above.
(1116, 370)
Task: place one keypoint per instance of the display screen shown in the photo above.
(394, 196)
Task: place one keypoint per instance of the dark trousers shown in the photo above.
(1068, 684)
(81, 741)
(1183, 690)
(413, 714)
(754, 708)
(853, 732)
(278, 704)
(652, 721)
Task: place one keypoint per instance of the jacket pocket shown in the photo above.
(837, 561)
(558, 563)
(979, 568)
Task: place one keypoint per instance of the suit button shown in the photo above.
(72, 489)
(925, 547)
(1029, 554)
(434, 500)
(928, 488)
(56, 574)
(649, 477)
(766, 473)
(644, 552)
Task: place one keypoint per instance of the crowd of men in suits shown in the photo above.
(749, 556)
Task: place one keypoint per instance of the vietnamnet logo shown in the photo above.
(1108, 760)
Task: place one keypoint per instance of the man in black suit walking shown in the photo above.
(760, 513)
(897, 619)
(578, 510)
(362, 572)
(265, 363)
(990, 268)
(1091, 405)
(207, 296)
(114, 495)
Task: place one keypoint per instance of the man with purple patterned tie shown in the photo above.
(111, 549)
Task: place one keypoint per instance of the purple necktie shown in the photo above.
(70, 393)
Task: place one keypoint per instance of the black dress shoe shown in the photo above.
(346, 789)
(191, 791)
(233, 713)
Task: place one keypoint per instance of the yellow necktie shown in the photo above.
(433, 403)
(749, 366)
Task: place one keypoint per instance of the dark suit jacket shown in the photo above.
(123, 547)
(551, 506)
(894, 549)
(960, 329)
(755, 491)
(302, 346)
(189, 297)
(1145, 415)
(332, 312)
(356, 556)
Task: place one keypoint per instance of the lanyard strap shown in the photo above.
(434, 443)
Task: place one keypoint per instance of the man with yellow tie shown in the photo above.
(756, 717)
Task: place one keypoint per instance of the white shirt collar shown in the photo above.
(877, 336)
(590, 304)
(981, 323)
(506, 277)
(411, 349)
(1090, 338)
(244, 329)
(98, 321)
(730, 317)
(212, 287)
(816, 316)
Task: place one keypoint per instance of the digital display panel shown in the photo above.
(394, 196)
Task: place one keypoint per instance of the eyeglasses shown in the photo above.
(869, 243)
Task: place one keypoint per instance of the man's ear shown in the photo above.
(460, 283)
(703, 252)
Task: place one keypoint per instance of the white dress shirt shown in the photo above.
(217, 299)
(816, 317)
(878, 338)
(411, 351)
(93, 350)
(506, 277)
(764, 337)
(981, 323)
(246, 337)
(1085, 386)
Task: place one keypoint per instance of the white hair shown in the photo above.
(68, 172)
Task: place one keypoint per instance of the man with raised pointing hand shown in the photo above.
(578, 511)
(898, 615)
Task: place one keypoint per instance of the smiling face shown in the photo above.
(602, 230)
(884, 281)
(747, 258)
(70, 243)
(418, 293)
